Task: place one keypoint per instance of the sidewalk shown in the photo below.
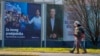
(44, 54)
(67, 54)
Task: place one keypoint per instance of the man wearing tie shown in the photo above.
(54, 30)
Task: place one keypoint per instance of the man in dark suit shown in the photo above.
(54, 27)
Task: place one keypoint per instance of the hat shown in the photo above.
(77, 22)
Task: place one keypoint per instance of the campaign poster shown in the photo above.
(22, 20)
(68, 29)
(54, 22)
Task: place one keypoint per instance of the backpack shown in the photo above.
(80, 32)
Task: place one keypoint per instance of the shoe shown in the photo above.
(77, 53)
(84, 52)
(71, 51)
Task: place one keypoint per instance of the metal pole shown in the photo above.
(2, 22)
(44, 22)
(41, 25)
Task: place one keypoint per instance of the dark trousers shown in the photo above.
(78, 44)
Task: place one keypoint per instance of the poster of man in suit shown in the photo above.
(54, 25)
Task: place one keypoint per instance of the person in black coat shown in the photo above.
(54, 27)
